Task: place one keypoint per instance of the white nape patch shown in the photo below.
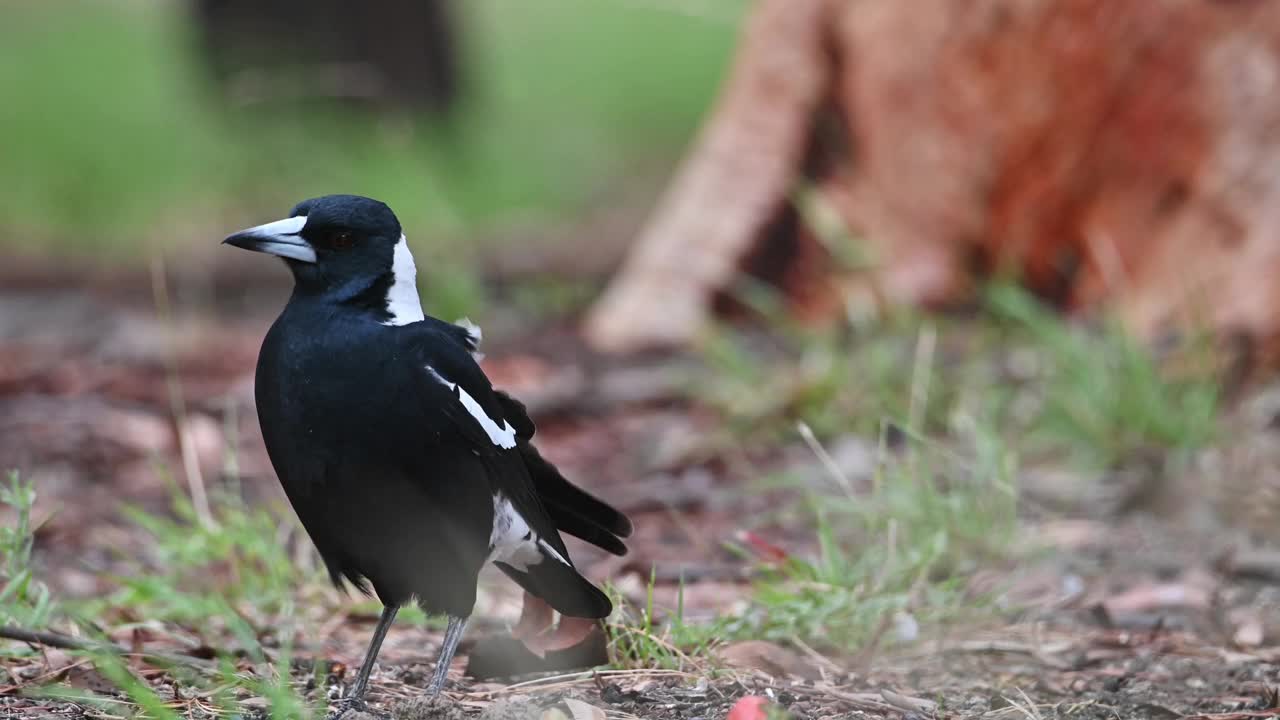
(504, 437)
(512, 542)
(402, 296)
(474, 336)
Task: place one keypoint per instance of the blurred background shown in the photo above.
(930, 351)
(489, 127)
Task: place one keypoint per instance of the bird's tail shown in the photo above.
(560, 585)
(574, 510)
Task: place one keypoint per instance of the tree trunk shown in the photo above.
(1110, 152)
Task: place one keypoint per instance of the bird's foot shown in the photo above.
(348, 708)
(435, 687)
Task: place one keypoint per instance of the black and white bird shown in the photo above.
(406, 467)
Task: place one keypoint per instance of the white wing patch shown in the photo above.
(402, 297)
(503, 437)
(512, 542)
(474, 333)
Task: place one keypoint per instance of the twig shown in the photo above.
(47, 639)
(1043, 652)
(828, 463)
(866, 702)
(1031, 711)
(182, 429)
(572, 678)
(926, 341)
(66, 642)
(824, 663)
(907, 703)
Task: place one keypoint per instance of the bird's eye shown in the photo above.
(341, 241)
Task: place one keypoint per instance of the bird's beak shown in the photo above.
(277, 238)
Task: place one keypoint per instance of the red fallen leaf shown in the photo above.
(765, 549)
(750, 707)
(535, 629)
(568, 633)
(536, 616)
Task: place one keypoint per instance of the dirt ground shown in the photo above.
(1141, 614)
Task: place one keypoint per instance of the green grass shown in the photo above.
(895, 556)
(835, 382)
(970, 400)
(24, 600)
(1102, 396)
(887, 562)
(1090, 397)
(241, 563)
(229, 580)
(648, 636)
(115, 143)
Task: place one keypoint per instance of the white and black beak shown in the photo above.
(282, 238)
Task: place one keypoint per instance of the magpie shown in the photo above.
(407, 469)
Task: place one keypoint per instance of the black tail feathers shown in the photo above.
(562, 588)
(574, 510)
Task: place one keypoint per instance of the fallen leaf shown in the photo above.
(1249, 631)
(536, 632)
(766, 550)
(907, 703)
(1156, 596)
(583, 711)
(750, 707)
(569, 632)
(536, 616)
(768, 658)
(500, 656)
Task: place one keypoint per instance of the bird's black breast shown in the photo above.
(367, 465)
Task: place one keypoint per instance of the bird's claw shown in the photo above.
(435, 687)
(346, 705)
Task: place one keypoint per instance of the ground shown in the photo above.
(1115, 608)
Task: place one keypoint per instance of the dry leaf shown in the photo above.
(907, 703)
(1156, 596)
(1249, 630)
(765, 550)
(768, 658)
(583, 711)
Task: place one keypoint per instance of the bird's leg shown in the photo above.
(452, 635)
(375, 644)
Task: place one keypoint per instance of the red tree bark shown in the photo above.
(1118, 152)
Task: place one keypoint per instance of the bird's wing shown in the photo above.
(464, 332)
(573, 509)
(524, 542)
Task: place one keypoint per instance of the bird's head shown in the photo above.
(345, 246)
